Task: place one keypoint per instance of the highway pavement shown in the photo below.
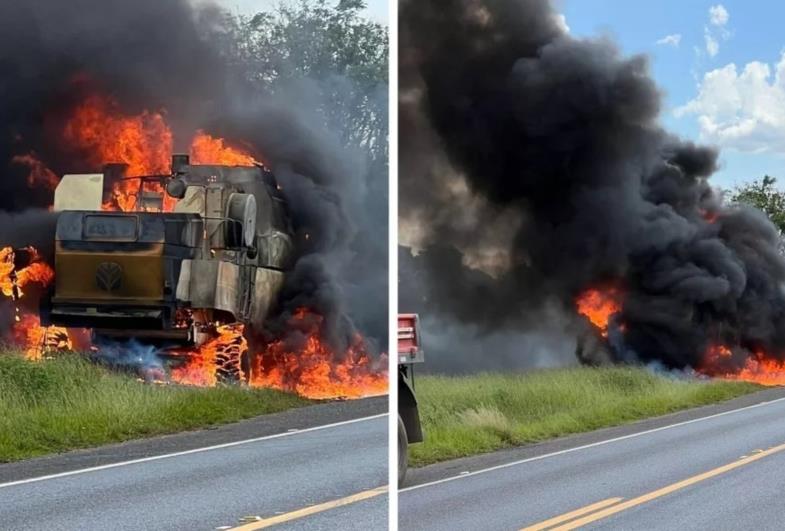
(720, 468)
(316, 476)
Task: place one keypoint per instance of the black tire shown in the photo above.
(403, 452)
(229, 364)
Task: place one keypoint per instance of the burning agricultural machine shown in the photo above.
(208, 253)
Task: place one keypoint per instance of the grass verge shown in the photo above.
(69, 403)
(468, 415)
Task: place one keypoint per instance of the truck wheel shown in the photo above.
(403, 452)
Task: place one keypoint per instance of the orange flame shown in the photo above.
(758, 366)
(106, 135)
(311, 369)
(143, 142)
(27, 331)
(202, 366)
(206, 149)
(598, 305)
(36, 340)
(12, 281)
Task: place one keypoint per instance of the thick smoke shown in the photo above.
(534, 167)
(167, 55)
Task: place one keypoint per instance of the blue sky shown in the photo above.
(721, 56)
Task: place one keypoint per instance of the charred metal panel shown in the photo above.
(210, 284)
(267, 285)
(275, 250)
(214, 213)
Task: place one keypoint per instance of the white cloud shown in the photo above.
(718, 15)
(671, 40)
(716, 30)
(561, 22)
(742, 110)
(712, 45)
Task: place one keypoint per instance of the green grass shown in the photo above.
(469, 415)
(69, 403)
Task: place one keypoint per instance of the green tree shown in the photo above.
(764, 196)
(333, 45)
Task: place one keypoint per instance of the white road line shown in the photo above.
(586, 446)
(188, 452)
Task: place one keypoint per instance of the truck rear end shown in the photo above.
(410, 352)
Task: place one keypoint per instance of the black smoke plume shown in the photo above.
(167, 55)
(534, 167)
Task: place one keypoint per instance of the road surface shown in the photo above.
(319, 477)
(721, 471)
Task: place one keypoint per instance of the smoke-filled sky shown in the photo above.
(717, 64)
(166, 54)
(535, 171)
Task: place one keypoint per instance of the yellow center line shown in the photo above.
(604, 513)
(545, 524)
(308, 511)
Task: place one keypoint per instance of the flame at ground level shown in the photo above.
(309, 368)
(758, 367)
(37, 340)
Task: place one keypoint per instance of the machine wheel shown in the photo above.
(229, 361)
(56, 340)
(403, 454)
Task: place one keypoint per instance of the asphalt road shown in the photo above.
(313, 470)
(721, 471)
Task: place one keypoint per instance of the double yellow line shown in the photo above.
(308, 511)
(605, 508)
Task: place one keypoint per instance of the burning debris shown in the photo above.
(539, 160)
(115, 107)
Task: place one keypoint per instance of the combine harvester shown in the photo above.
(203, 250)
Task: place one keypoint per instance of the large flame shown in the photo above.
(757, 367)
(310, 368)
(99, 129)
(27, 332)
(599, 305)
(105, 134)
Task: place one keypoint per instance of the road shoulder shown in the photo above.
(266, 425)
(457, 467)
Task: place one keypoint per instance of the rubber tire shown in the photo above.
(403, 452)
(229, 365)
